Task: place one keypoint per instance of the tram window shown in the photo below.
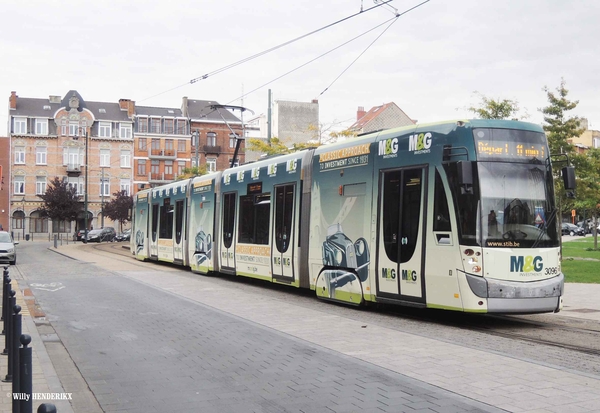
(254, 219)
(166, 220)
(411, 211)
(284, 207)
(441, 214)
(391, 213)
(228, 218)
(178, 220)
(154, 221)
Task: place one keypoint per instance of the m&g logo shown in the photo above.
(420, 143)
(291, 165)
(528, 263)
(409, 275)
(388, 148)
(388, 273)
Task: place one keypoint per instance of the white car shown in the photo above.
(8, 252)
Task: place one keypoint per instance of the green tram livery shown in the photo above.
(454, 215)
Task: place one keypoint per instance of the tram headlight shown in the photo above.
(476, 268)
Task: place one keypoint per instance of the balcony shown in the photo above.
(160, 178)
(210, 149)
(74, 169)
(162, 154)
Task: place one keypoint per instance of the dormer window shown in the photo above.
(47, 107)
(41, 126)
(102, 110)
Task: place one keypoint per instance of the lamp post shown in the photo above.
(24, 215)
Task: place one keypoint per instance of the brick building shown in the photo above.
(49, 138)
(4, 183)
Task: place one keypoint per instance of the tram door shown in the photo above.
(179, 235)
(401, 236)
(153, 238)
(282, 251)
(228, 250)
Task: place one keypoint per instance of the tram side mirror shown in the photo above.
(568, 175)
(465, 176)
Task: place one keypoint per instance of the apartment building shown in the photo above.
(49, 137)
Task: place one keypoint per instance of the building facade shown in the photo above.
(295, 122)
(4, 183)
(49, 137)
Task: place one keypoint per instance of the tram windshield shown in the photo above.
(516, 206)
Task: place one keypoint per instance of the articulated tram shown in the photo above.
(456, 215)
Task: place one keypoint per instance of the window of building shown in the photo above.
(169, 169)
(77, 184)
(180, 167)
(211, 139)
(72, 157)
(105, 187)
(18, 220)
(181, 129)
(41, 126)
(61, 226)
(125, 130)
(41, 155)
(126, 186)
(19, 154)
(125, 159)
(40, 185)
(142, 144)
(141, 169)
(19, 185)
(169, 129)
(232, 141)
(155, 125)
(20, 125)
(181, 145)
(73, 128)
(169, 147)
(211, 164)
(236, 163)
(105, 158)
(104, 129)
(155, 167)
(155, 145)
(63, 127)
(143, 125)
(37, 223)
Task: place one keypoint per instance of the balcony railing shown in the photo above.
(162, 153)
(74, 169)
(211, 149)
(160, 177)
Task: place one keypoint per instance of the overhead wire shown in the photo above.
(247, 59)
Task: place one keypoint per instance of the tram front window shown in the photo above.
(516, 208)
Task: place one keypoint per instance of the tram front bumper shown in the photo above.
(519, 297)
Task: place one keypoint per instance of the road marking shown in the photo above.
(48, 287)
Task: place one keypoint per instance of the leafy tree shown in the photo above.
(588, 186)
(497, 109)
(559, 126)
(275, 146)
(61, 202)
(118, 208)
(192, 172)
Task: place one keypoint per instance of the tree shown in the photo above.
(497, 109)
(559, 127)
(192, 172)
(61, 202)
(118, 209)
(587, 202)
(275, 146)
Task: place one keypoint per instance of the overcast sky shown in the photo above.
(429, 62)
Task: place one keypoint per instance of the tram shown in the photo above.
(453, 215)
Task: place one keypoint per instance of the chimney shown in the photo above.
(13, 100)
(128, 105)
(54, 99)
(360, 113)
(184, 107)
(315, 101)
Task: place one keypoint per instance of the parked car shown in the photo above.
(124, 236)
(571, 229)
(8, 252)
(99, 235)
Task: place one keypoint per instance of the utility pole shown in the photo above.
(196, 135)
(85, 202)
(102, 195)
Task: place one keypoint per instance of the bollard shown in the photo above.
(16, 344)
(26, 374)
(7, 321)
(9, 341)
(6, 281)
(46, 408)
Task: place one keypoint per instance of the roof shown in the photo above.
(162, 112)
(201, 110)
(372, 114)
(43, 108)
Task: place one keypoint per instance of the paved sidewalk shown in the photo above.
(45, 379)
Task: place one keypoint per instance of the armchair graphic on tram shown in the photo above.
(340, 251)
